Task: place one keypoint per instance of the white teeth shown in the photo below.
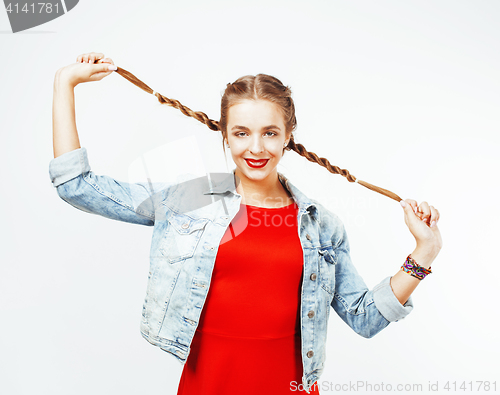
(257, 163)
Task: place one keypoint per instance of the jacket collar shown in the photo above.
(221, 183)
(305, 204)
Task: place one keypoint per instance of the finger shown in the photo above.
(94, 56)
(413, 204)
(434, 216)
(102, 70)
(90, 57)
(106, 60)
(408, 209)
(425, 210)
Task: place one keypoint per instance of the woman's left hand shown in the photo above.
(422, 222)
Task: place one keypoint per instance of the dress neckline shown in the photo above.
(269, 208)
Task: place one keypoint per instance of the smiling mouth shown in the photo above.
(256, 163)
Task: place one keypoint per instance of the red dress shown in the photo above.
(248, 337)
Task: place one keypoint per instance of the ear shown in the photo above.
(287, 138)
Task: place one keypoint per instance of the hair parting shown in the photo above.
(265, 87)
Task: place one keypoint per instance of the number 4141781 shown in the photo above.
(45, 8)
(469, 386)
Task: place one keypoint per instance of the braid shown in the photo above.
(312, 157)
(198, 115)
(214, 125)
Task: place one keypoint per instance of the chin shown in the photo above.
(256, 174)
(256, 177)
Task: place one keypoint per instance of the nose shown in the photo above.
(256, 145)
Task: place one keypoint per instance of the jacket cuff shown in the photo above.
(68, 166)
(387, 303)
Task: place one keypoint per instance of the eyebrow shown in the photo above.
(246, 129)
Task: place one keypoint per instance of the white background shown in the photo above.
(404, 95)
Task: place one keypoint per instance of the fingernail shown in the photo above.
(403, 203)
(112, 67)
(433, 223)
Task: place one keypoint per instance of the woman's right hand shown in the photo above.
(88, 67)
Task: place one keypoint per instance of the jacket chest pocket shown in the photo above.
(181, 237)
(327, 262)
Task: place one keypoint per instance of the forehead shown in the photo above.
(255, 113)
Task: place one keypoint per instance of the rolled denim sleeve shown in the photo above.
(387, 303)
(366, 311)
(76, 184)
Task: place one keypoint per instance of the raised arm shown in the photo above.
(368, 311)
(70, 171)
(88, 67)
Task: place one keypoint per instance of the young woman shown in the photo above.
(244, 266)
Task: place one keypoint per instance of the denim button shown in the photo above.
(185, 226)
(310, 354)
(310, 314)
(313, 276)
(308, 237)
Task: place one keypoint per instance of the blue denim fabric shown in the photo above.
(189, 220)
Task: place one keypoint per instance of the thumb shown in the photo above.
(409, 213)
(103, 68)
(109, 67)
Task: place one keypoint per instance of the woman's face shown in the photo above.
(256, 130)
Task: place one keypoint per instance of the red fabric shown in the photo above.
(248, 337)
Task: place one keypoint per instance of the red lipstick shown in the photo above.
(256, 164)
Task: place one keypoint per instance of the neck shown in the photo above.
(263, 193)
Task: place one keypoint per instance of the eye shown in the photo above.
(272, 133)
(238, 134)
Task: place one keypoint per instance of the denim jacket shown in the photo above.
(189, 220)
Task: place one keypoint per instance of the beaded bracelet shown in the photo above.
(413, 268)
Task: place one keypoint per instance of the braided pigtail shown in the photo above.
(257, 87)
(198, 115)
(312, 157)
